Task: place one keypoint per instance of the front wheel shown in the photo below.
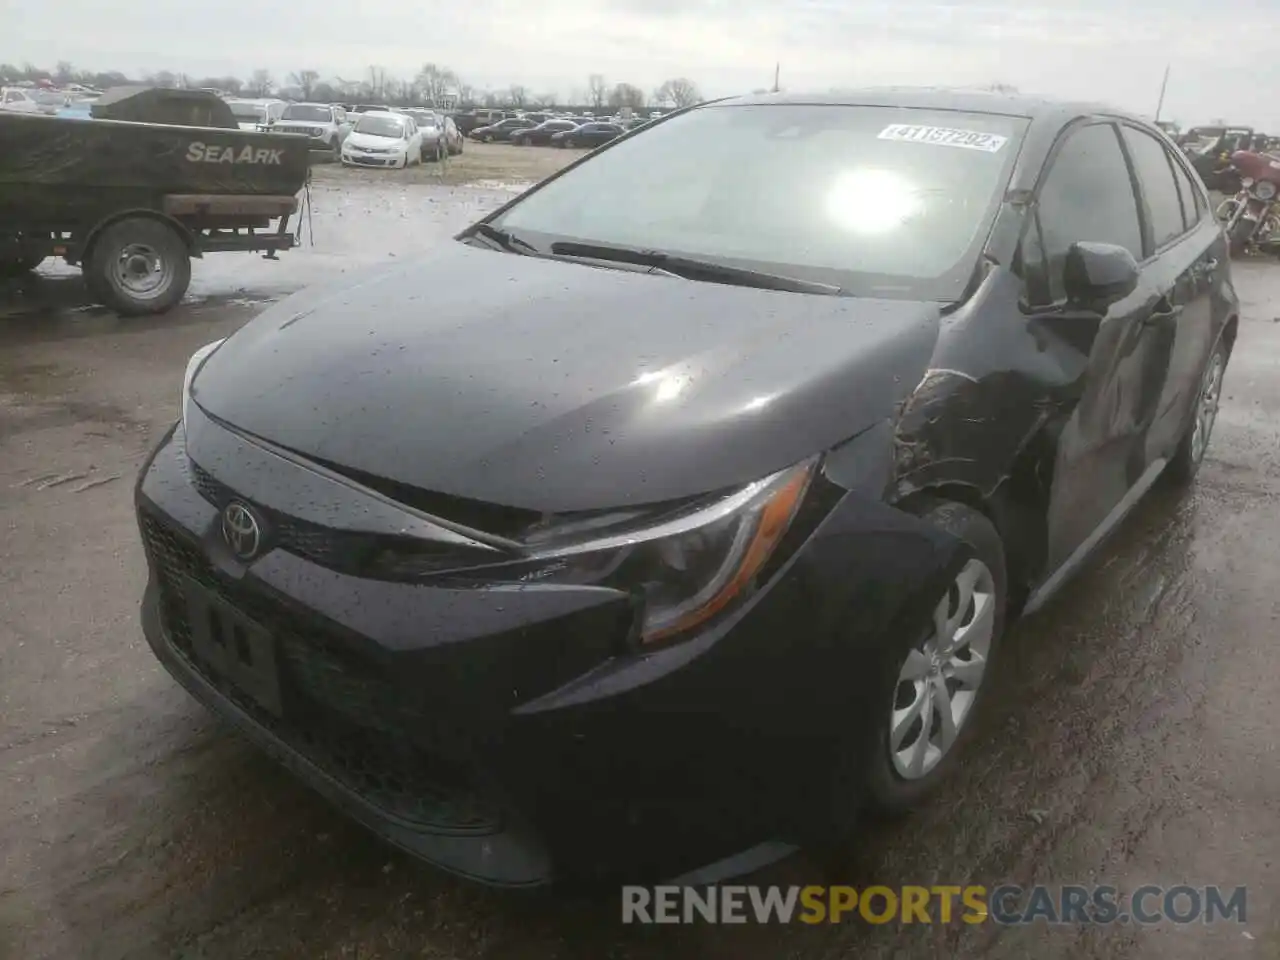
(931, 686)
(139, 266)
(1239, 234)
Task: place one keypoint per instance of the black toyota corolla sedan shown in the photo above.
(684, 526)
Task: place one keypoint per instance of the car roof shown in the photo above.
(1041, 109)
(310, 103)
(383, 113)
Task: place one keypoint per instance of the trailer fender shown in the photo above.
(189, 239)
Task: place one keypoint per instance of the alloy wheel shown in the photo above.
(1207, 406)
(938, 682)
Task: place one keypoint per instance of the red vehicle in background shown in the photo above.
(1251, 217)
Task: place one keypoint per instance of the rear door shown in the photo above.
(1182, 263)
(1088, 194)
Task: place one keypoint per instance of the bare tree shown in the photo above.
(597, 90)
(63, 72)
(305, 81)
(517, 95)
(163, 79)
(626, 95)
(260, 83)
(466, 93)
(437, 83)
(679, 92)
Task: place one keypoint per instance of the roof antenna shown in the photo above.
(777, 68)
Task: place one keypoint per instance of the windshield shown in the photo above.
(881, 201)
(304, 111)
(423, 119)
(381, 126)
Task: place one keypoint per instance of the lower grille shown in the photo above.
(338, 710)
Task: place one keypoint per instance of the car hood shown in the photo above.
(373, 140)
(559, 387)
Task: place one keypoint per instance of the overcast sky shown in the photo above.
(1113, 50)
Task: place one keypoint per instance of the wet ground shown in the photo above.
(1132, 741)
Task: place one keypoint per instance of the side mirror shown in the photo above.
(1096, 275)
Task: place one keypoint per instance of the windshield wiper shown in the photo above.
(691, 268)
(505, 239)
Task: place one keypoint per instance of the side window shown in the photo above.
(1159, 189)
(1087, 197)
(1193, 204)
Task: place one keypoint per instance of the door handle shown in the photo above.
(1165, 312)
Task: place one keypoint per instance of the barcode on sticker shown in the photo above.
(944, 136)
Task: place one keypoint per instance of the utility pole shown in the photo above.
(777, 68)
(1163, 86)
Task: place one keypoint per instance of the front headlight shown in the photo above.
(1264, 190)
(682, 568)
(193, 367)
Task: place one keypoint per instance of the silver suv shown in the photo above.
(325, 123)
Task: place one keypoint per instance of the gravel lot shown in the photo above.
(1133, 740)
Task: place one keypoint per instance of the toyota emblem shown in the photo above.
(241, 530)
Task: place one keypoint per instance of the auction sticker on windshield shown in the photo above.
(944, 136)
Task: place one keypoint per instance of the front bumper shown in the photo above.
(375, 159)
(508, 735)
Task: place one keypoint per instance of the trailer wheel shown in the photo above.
(139, 266)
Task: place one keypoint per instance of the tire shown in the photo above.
(488, 138)
(1185, 462)
(1238, 238)
(121, 250)
(888, 791)
(569, 143)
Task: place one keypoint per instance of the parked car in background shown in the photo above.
(800, 401)
(593, 134)
(372, 108)
(502, 130)
(383, 139)
(440, 136)
(540, 136)
(325, 123)
(31, 100)
(466, 121)
(255, 114)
